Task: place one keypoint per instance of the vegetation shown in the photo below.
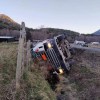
(85, 75)
(33, 84)
(10, 26)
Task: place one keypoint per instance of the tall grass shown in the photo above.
(33, 84)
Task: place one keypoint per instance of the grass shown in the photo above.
(37, 87)
(86, 81)
(33, 84)
(8, 54)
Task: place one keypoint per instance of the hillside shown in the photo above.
(9, 27)
(7, 23)
(45, 33)
(96, 33)
(5, 18)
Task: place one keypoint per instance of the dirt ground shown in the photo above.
(83, 81)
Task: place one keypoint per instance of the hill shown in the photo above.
(9, 27)
(97, 32)
(5, 18)
(45, 33)
(7, 23)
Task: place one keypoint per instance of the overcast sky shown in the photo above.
(78, 15)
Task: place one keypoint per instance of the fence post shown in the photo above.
(21, 55)
(28, 55)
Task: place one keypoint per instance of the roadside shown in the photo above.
(86, 75)
(33, 84)
(83, 81)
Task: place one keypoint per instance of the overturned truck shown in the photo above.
(56, 51)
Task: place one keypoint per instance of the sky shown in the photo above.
(78, 15)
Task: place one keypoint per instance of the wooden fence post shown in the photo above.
(28, 55)
(21, 55)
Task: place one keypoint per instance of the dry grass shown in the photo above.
(65, 91)
(8, 52)
(36, 86)
(33, 84)
(86, 80)
(83, 81)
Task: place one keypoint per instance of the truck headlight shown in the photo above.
(61, 71)
(49, 45)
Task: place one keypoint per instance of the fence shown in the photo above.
(24, 56)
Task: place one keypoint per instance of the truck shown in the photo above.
(56, 51)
